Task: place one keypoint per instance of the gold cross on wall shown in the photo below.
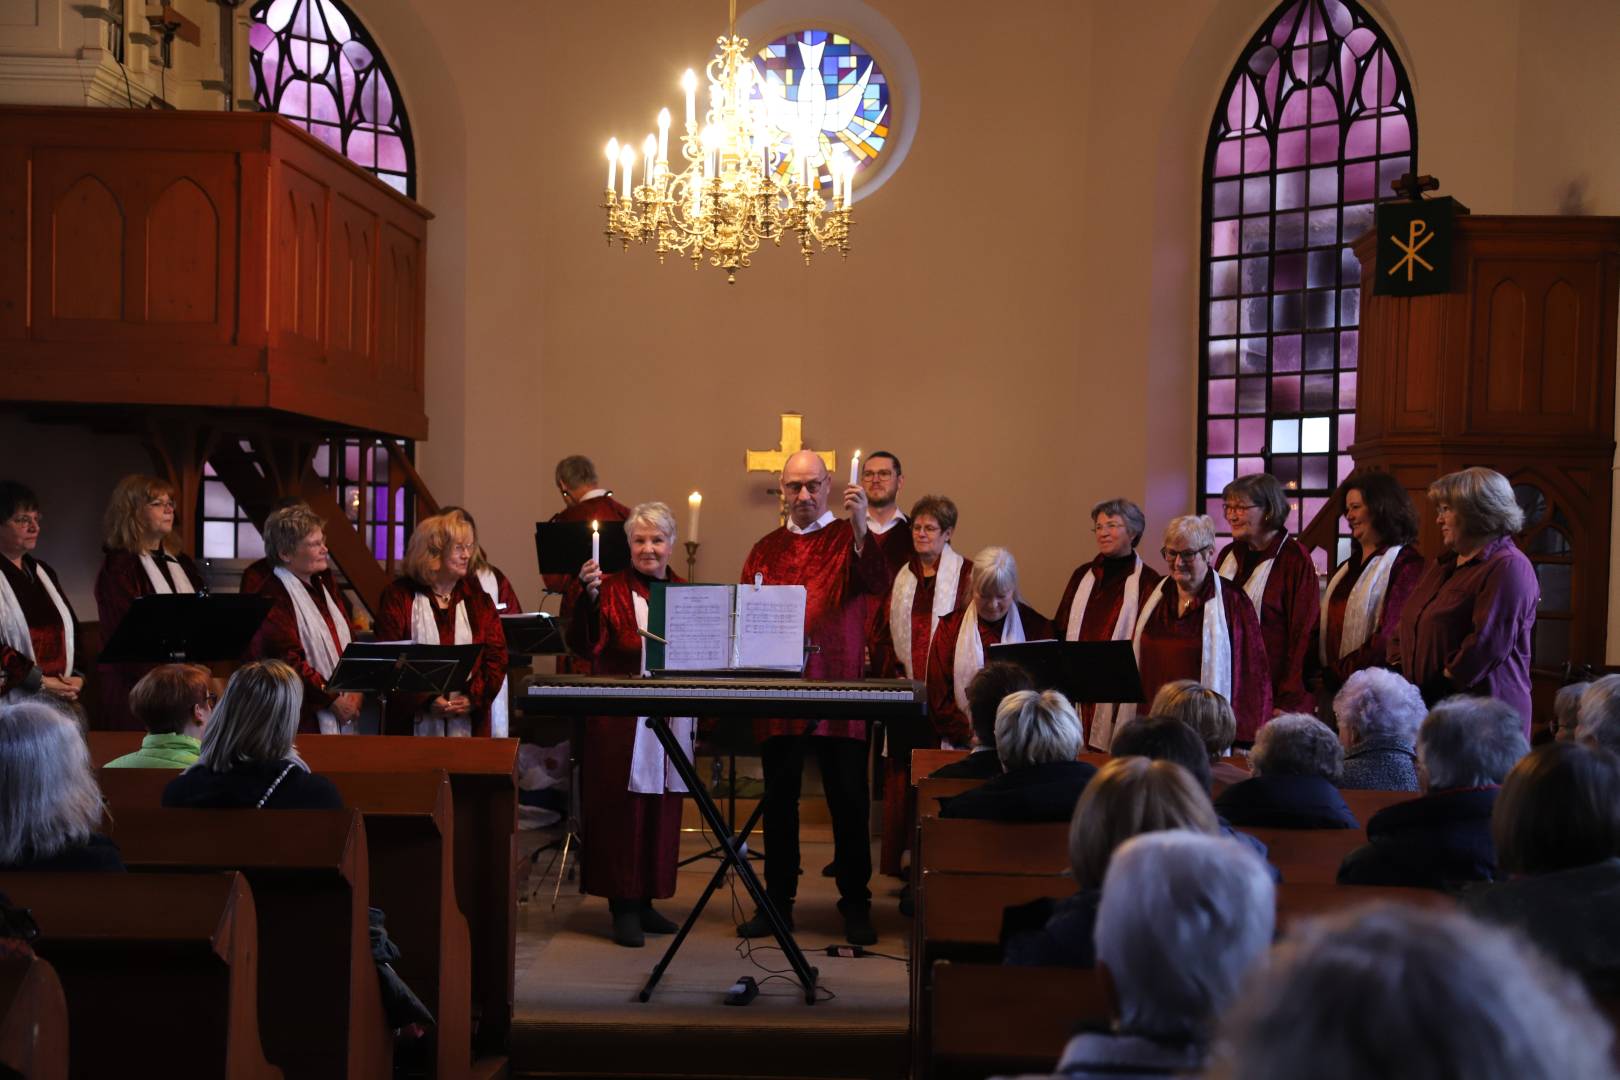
(771, 461)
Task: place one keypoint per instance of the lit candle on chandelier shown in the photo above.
(663, 135)
(649, 151)
(855, 468)
(613, 162)
(689, 84)
(627, 161)
(694, 503)
(596, 543)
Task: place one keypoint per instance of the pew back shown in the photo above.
(33, 1018)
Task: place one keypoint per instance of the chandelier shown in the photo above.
(745, 176)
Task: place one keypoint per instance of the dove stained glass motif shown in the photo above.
(312, 62)
(823, 91)
(1316, 120)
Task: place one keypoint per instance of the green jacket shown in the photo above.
(161, 752)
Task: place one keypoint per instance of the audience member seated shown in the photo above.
(1297, 761)
(1394, 991)
(174, 703)
(1128, 796)
(1211, 716)
(1038, 737)
(1442, 839)
(1378, 714)
(1557, 831)
(50, 806)
(1598, 719)
(1183, 919)
(38, 628)
(1567, 711)
(247, 757)
(985, 694)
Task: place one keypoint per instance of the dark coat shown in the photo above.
(1045, 792)
(1568, 913)
(1052, 933)
(244, 786)
(97, 854)
(1381, 764)
(1436, 841)
(979, 765)
(1286, 802)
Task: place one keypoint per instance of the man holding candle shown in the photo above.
(838, 566)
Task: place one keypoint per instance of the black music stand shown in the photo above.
(193, 628)
(1089, 672)
(402, 668)
(535, 633)
(562, 547)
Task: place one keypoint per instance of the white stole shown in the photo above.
(1127, 608)
(499, 711)
(651, 771)
(157, 578)
(946, 581)
(319, 648)
(1365, 605)
(970, 648)
(1214, 662)
(1255, 587)
(425, 631)
(14, 624)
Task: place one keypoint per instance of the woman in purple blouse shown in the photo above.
(1466, 628)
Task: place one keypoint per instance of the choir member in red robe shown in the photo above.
(584, 499)
(1181, 634)
(835, 562)
(142, 557)
(882, 480)
(436, 603)
(499, 589)
(1277, 574)
(309, 625)
(994, 615)
(1368, 592)
(1104, 596)
(259, 571)
(630, 793)
(932, 585)
(38, 630)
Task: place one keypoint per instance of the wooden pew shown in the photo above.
(987, 1019)
(1296, 901)
(320, 1010)
(1364, 804)
(929, 792)
(33, 1019)
(993, 847)
(1307, 856)
(926, 761)
(160, 971)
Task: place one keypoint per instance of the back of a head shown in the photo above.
(1559, 809)
(48, 795)
(1567, 709)
(1034, 728)
(1376, 703)
(1200, 708)
(1130, 796)
(988, 689)
(1468, 742)
(1297, 744)
(575, 471)
(1598, 722)
(1390, 990)
(255, 720)
(1164, 738)
(164, 697)
(1183, 918)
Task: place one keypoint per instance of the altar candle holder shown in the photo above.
(691, 560)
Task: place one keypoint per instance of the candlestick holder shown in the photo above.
(691, 560)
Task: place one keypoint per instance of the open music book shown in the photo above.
(726, 627)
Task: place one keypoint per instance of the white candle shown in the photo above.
(689, 84)
(849, 184)
(694, 503)
(649, 152)
(596, 543)
(627, 161)
(663, 134)
(855, 468)
(613, 162)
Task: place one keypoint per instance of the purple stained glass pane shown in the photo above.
(1256, 234)
(1290, 269)
(1318, 352)
(1311, 506)
(1251, 396)
(390, 152)
(249, 544)
(1321, 269)
(1348, 346)
(1222, 437)
(1256, 275)
(1359, 181)
(1223, 357)
(1389, 171)
(1223, 238)
(1285, 353)
(1226, 199)
(1256, 195)
(1361, 141)
(1357, 220)
(1349, 267)
(1256, 154)
(1218, 472)
(1222, 318)
(1251, 436)
(1249, 465)
(1285, 467)
(1290, 190)
(1323, 228)
(1285, 394)
(1324, 143)
(1347, 430)
(323, 104)
(1347, 465)
(1222, 397)
(330, 134)
(1313, 475)
(1291, 149)
(1319, 309)
(1253, 318)
(363, 148)
(1396, 135)
(1286, 312)
(1290, 231)
(1347, 390)
(1227, 158)
(1223, 278)
(1318, 396)
(1350, 307)
(295, 101)
(1252, 356)
(1324, 187)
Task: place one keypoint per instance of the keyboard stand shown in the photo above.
(734, 858)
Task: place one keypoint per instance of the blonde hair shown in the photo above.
(1035, 727)
(1482, 499)
(286, 528)
(1197, 531)
(255, 720)
(121, 527)
(478, 561)
(994, 568)
(432, 538)
(1130, 796)
(1200, 708)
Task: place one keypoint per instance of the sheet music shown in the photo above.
(770, 627)
(697, 626)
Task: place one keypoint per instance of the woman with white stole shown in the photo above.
(38, 630)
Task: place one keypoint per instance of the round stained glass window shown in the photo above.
(827, 96)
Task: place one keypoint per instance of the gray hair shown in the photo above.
(994, 568)
(1135, 520)
(1035, 727)
(653, 515)
(1183, 918)
(1470, 742)
(286, 528)
(255, 720)
(575, 471)
(1377, 703)
(48, 795)
(1598, 718)
(1194, 532)
(1392, 990)
(1567, 709)
(1482, 499)
(1297, 744)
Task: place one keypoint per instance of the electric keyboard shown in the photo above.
(597, 695)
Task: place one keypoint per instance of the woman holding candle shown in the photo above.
(630, 793)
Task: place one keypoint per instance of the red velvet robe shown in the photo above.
(950, 722)
(835, 579)
(631, 840)
(44, 624)
(488, 675)
(506, 597)
(278, 639)
(897, 550)
(1403, 578)
(1289, 612)
(1171, 646)
(120, 581)
(1107, 596)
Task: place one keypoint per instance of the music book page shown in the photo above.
(697, 627)
(770, 627)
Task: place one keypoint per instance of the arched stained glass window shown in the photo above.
(312, 62)
(846, 107)
(1315, 122)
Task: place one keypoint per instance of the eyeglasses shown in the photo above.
(462, 549)
(1232, 510)
(794, 487)
(163, 503)
(877, 474)
(927, 528)
(24, 520)
(1171, 556)
(1107, 526)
